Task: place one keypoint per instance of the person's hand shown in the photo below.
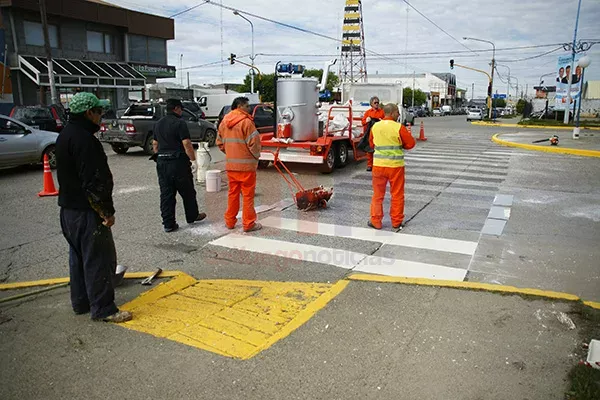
(194, 167)
(109, 221)
(368, 119)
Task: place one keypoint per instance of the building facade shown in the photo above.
(439, 87)
(96, 47)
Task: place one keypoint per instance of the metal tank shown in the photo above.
(297, 100)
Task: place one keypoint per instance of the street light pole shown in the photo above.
(252, 56)
(491, 88)
(508, 84)
(573, 49)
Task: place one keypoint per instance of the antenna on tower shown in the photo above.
(353, 67)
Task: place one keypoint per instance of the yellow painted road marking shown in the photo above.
(548, 149)
(504, 125)
(465, 285)
(233, 318)
(56, 281)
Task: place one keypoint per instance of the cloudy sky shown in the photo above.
(208, 34)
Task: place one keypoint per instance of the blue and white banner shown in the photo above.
(562, 82)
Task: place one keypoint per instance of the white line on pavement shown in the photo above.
(339, 258)
(372, 235)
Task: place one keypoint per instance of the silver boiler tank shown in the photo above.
(297, 100)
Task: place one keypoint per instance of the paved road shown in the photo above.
(474, 211)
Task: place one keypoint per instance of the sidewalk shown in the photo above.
(369, 340)
(588, 143)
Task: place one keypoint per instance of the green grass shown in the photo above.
(584, 381)
(551, 122)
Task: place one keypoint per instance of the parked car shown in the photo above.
(264, 116)
(194, 107)
(437, 112)
(47, 118)
(409, 117)
(474, 114)
(134, 128)
(22, 144)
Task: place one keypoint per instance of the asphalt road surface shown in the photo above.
(474, 211)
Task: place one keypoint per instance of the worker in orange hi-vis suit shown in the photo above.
(374, 112)
(240, 141)
(389, 138)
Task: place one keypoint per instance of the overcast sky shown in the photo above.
(389, 29)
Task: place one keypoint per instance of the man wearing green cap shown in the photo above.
(87, 211)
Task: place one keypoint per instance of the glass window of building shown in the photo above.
(99, 42)
(34, 34)
(147, 50)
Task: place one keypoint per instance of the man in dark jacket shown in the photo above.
(87, 211)
(175, 165)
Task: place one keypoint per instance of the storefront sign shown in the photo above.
(153, 71)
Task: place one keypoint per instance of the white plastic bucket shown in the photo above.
(213, 180)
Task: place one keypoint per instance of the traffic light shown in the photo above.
(232, 58)
(451, 64)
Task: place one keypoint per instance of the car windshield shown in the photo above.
(140, 111)
(32, 113)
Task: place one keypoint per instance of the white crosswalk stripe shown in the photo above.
(467, 175)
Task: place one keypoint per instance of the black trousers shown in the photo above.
(92, 262)
(175, 176)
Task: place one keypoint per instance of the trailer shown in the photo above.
(299, 135)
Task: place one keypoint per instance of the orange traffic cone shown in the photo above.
(49, 189)
(422, 133)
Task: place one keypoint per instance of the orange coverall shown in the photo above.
(381, 177)
(240, 141)
(371, 113)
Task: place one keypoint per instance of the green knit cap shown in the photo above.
(84, 101)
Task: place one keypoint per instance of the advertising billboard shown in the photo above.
(562, 82)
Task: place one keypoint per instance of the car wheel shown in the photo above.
(119, 148)
(329, 161)
(341, 158)
(148, 148)
(50, 152)
(211, 137)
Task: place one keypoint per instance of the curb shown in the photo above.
(501, 125)
(339, 286)
(547, 149)
(57, 281)
(485, 287)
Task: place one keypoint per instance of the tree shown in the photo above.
(521, 106)
(420, 97)
(264, 84)
(332, 78)
(499, 103)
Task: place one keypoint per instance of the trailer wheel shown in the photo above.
(329, 161)
(341, 158)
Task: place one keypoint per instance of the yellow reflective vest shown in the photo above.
(388, 145)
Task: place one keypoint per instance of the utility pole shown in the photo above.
(188, 76)
(53, 93)
(472, 91)
(573, 48)
(526, 89)
(181, 69)
(413, 90)
(491, 87)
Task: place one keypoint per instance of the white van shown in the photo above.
(213, 103)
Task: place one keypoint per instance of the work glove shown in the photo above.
(194, 167)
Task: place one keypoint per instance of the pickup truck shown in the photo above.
(134, 128)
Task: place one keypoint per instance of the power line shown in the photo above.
(533, 57)
(439, 27)
(189, 9)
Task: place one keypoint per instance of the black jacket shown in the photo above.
(83, 174)
(170, 132)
